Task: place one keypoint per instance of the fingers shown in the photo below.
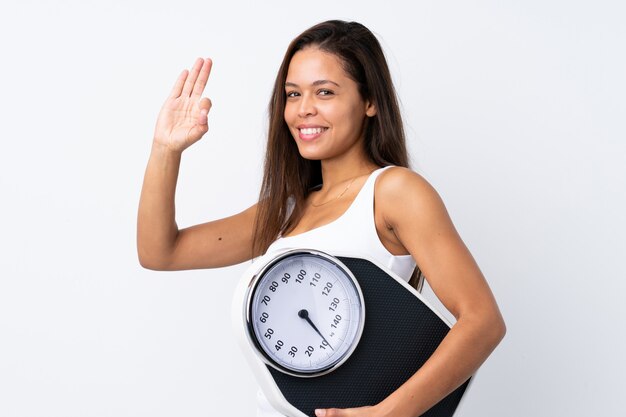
(178, 86)
(193, 76)
(366, 411)
(331, 412)
(192, 83)
(203, 77)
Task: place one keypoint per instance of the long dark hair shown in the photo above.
(287, 175)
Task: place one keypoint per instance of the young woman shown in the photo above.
(335, 177)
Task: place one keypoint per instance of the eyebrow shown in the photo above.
(315, 83)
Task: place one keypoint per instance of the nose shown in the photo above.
(307, 106)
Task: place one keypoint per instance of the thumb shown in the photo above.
(205, 105)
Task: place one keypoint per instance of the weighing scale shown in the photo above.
(333, 331)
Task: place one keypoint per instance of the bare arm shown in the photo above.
(429, 235)
(456, 279)
(160, 245)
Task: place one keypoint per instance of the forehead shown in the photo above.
(311, 64)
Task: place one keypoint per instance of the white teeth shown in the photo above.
(312, 130)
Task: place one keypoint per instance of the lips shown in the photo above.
(308, 133)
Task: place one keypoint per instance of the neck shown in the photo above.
(339, 170)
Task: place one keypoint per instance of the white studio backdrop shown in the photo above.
(514, 112)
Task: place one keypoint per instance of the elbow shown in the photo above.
(499, 330)
(151, 262)
(494, 326)
(489, 324)
(148, 264)
(495, 329)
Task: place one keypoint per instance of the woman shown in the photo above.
(335, 146)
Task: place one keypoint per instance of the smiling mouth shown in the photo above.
(308, 134)
(312, 130)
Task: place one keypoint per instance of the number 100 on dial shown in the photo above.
(305, 313)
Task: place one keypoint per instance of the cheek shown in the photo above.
(290, 112)
(346, 117)
(343, 112)
(289, 117)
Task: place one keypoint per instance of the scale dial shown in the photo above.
(305, 313)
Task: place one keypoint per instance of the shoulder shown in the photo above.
(399, 183)
(400, 191)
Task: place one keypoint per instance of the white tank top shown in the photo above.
(353, 232)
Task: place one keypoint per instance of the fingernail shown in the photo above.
(320, 413)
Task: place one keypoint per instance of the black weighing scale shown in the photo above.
(331, 331)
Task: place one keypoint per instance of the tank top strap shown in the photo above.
(362, 208)
(361, 222)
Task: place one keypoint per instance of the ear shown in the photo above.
(370, 109)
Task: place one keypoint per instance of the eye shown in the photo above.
(291, 94)
(325, 92)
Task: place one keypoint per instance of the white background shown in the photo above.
(514, 112)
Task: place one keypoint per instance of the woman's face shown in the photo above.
(324, 109)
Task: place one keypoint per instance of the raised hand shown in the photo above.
(183, 120)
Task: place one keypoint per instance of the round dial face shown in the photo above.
(305, 313)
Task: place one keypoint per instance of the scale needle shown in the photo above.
(304, 314)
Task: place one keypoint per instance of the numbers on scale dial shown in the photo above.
(315, 279)
(305, 344)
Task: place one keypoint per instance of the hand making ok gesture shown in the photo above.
(182, 120)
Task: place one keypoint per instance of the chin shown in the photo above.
(307, 153)
(311, 156)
